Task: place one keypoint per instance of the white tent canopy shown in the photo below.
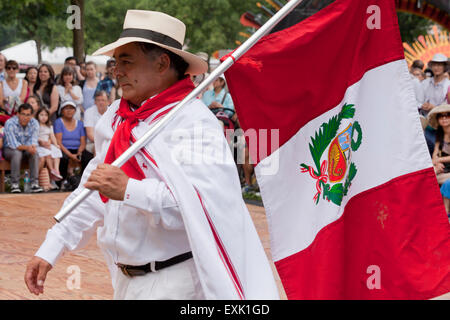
(26, 53)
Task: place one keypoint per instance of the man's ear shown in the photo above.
(163, 63)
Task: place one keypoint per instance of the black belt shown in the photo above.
(133, 271)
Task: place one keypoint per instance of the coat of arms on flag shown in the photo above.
(340, 146)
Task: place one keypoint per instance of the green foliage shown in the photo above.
(210, 24)
(411, 26)
(40, 20)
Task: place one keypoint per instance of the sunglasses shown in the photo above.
(11, 68)
(441, 115)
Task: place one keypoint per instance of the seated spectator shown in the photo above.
(48, 149)
(439, 118)
(14, 90)
(91, 118)
(45, 89)
(89, 86)
(434, 92)
(35, 103)
(219, 97)
(72, 62)
(71, 137)
(68, 90)
(31, 77)
(107, 83)
(21, 140)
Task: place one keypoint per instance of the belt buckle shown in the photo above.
(124, 269)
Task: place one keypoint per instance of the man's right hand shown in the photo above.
(35, 274)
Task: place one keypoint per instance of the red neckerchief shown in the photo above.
(121, 138)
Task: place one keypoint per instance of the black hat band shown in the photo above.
(152, 36)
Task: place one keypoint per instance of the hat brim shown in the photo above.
(432, 116)
(196, 64)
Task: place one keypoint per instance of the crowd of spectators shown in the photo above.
(432, 92)
(49, 119)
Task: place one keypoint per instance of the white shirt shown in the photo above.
(190, 201)
(66, 96)
(435, 93)
(145, 227)
(91, 118)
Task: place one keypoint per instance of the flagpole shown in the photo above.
(141, 142)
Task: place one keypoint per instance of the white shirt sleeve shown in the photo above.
(79, 93)
(153, 196)
(75, 230)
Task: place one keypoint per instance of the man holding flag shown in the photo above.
(171, 221)
(354, 210)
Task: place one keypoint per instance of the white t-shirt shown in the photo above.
(91, 117)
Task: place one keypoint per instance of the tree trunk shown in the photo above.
(38, 49)
(78, 33)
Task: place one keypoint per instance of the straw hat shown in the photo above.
(157, 28)
(432, 116)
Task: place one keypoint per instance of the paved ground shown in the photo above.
(24, 220)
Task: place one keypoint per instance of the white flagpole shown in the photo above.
(139, 144)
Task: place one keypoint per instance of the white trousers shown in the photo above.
(177, 282)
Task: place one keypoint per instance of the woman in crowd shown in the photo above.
(14, 90)
(30, 76)
(45, 89)
(439, 118)
(69, 90)
(89, 85)
(71, 137)
(49, 151)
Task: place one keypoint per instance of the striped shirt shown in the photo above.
(15, 135)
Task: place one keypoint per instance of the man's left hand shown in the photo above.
(109, 180)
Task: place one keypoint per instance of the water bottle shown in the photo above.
(26, 182)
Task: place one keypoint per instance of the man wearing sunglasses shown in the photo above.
(21, 139)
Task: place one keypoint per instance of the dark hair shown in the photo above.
(51, 81)
(110, 62)
(66, 70)
(101, 93)
(71, 58)
(26, 73)
(417, 64)
(43, 109)
(25, 106)
(12, 63)
(177, 63)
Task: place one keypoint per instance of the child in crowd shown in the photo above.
(35, 103)
(48, 149)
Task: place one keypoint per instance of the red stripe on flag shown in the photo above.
(380, 228)
(305, 70)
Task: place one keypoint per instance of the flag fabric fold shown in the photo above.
(352, 202)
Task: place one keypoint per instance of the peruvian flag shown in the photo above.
(352, 202)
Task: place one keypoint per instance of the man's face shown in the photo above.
(101, 101)
(72, 63)
(136, 74)
(25, 117)
(438, 68)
